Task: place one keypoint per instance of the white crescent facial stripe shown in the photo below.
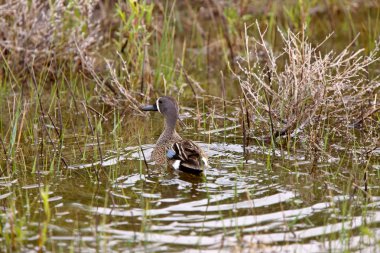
(158, 107)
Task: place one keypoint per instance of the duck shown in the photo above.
(171, 149)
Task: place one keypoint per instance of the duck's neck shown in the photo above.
(169, 130)
(170, 123)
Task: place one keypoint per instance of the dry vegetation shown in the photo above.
(85, 39)
(42, 34)
(303, 88)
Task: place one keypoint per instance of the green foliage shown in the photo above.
(164, 58)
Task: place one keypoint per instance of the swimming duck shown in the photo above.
(171, 149)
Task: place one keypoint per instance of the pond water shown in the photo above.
(252, 199)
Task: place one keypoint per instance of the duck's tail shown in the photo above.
(186, 156)
(186, 166)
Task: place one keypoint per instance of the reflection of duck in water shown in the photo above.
(170, 148)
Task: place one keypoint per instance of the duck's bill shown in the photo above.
(149, 108)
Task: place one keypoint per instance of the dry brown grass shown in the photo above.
(60, 36)
(302, 87)
(42, 33)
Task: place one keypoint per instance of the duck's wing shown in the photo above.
(186, 156)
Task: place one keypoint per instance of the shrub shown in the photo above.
(303, 88)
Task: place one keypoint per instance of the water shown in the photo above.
(240, 204)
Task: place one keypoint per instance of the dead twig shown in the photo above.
(365, 116)
(43, 116)
(6, 156)
(96, 134)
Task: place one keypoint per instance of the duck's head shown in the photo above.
(166, 105)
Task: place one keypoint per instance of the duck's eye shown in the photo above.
(159, 101)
